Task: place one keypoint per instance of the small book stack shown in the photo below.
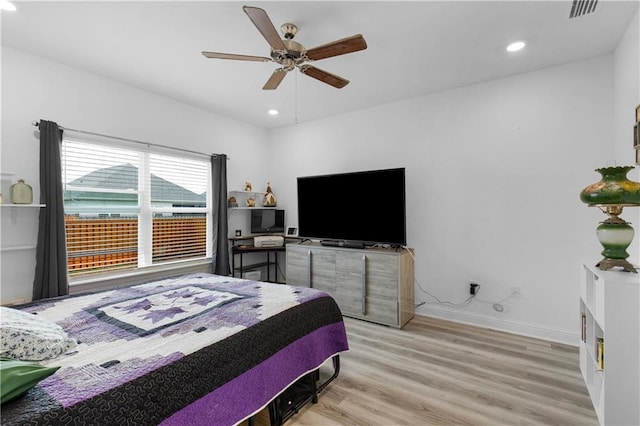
(600, 353)
(636, 135)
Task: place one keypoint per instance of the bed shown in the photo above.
(198, 349)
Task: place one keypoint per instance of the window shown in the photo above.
(126, 208)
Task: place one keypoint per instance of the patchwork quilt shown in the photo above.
(198, 349)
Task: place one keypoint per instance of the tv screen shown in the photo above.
(267, 221)
(367, 207)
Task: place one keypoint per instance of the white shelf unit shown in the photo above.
(14, 221)
(243, 196)
(16, 207)
(610, 306)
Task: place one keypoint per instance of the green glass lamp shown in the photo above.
(611, 194)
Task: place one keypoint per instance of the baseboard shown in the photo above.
(567, 337)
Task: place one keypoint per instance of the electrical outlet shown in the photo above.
(515, 291)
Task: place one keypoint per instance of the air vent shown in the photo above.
(582, 7)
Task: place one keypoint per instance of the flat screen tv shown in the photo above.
(267, 221)
(362, 207)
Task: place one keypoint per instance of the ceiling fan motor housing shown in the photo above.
(293, 51)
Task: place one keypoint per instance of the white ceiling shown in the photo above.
(414, 48)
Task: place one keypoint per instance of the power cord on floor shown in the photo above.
(438, 301)
(445, 302)
(497, 306)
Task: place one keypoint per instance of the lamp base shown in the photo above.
(606, 264)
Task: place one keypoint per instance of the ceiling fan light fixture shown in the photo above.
(289, 30)
(273, 112)
(516, 46)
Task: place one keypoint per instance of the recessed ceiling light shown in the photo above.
(273, 112)
(515, 46)
(7, 5)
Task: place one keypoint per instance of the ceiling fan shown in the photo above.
(291, 54)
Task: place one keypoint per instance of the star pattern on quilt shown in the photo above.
(184, 293)
(203, 301)
(144, 304)
(152, 312)
(160, 314)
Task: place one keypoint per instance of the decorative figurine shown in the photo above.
(251, 202)
(232, 202)
(269, 199)
(247, 186)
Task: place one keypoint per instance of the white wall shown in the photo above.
(493, 176)
(34, 88)
(493, 170)
(626, 99)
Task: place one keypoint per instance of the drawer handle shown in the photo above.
(309, 269)
(364, 284)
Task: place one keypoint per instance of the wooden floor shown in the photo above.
(435, 372)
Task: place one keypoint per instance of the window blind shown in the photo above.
(126, 208)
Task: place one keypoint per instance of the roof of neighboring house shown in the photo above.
(125, 177)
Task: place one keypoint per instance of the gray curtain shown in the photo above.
(220, 261)
(51, 253)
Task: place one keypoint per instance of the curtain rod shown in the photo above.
(37, 124)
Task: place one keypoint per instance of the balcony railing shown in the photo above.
(98, 245)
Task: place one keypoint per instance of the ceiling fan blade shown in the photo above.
(324, 76)
(275, 79)
(217, 55)
(262, 22)
(338, 47)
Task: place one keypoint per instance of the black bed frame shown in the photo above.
(292, 399)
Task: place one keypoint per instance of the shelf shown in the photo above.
(252, 236)
(15, 207)
(611, 298)
(251, 208)
(17, 248)
(242, 197)
(252, 266)
(268, 264)
(248, 192)
(251, 249)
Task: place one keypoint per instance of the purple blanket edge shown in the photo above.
(252, 391)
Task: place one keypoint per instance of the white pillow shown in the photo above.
(29, 337)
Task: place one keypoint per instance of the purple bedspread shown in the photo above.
(198, 349)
